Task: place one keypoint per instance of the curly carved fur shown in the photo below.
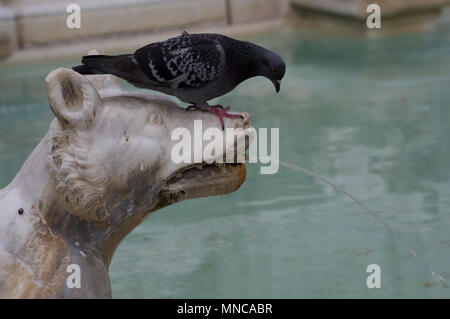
(80, 183)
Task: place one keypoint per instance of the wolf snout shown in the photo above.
(243, 121)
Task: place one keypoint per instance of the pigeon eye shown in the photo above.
(274, 70)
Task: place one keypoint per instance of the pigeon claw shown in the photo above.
(223, 112)
(191, 107)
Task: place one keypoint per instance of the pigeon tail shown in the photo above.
(110, 64)
(122, 66)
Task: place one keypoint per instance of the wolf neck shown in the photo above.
(28, 191)
(26, 201)
(33, 178)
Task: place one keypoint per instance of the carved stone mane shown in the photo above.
(79, 182)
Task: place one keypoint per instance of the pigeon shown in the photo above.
(194, 68)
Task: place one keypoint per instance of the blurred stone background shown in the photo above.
(28, 24)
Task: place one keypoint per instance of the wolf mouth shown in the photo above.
(205, 179)
(202, 180)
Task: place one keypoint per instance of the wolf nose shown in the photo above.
(243, 121)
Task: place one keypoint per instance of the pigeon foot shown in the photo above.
(223, 112)
(194, 107)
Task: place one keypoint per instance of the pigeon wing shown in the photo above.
(183, 62)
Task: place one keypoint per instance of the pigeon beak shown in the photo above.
(277, 85)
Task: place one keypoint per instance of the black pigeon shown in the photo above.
(195, 68)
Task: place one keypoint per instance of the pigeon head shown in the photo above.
(270, 65)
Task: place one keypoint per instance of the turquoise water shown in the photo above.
(371, 115)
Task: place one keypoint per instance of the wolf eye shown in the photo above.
(155, 119)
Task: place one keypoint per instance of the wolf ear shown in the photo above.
(72, 98)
